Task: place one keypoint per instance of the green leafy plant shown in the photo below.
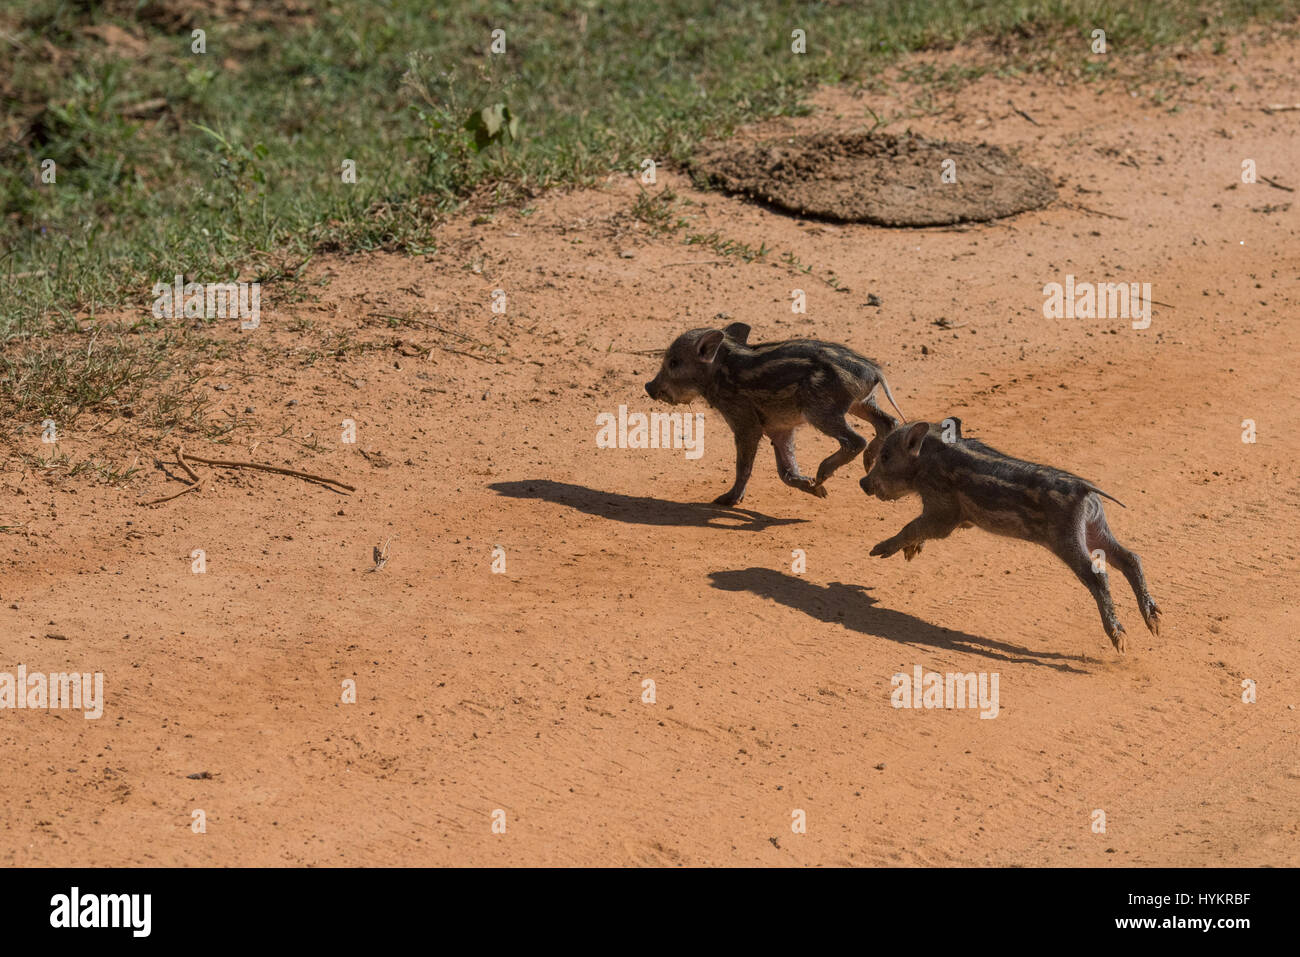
(492, 124)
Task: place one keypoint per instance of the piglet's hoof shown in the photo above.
(1119, 639)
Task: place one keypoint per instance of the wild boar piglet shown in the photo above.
(963, 483)
(771, 389)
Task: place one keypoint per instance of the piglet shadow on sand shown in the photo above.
(640, 509)
(850, 605)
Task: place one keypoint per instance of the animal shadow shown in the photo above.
(640, 509)
(850, 605)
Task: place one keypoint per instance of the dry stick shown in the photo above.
(1276, 185)
(1096, 212)
(180, 457)
(452, 332)
(147, 106)
(273, 468)
(159, 501)
(1023, 113)
(468, 355)
(196, 487)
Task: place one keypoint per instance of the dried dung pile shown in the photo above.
(881, 178)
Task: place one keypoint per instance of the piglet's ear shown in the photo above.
(738, 331)
(916, 433)
(709, 344)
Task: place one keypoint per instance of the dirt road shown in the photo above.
(523, 691)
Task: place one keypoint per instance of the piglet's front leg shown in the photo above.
(916, 533)
(748, 432)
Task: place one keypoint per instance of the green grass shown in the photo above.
(227, 164)
(106, 373)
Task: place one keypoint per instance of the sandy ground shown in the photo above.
(523, 691)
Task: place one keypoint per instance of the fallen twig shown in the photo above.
(273, 468)
(1023, 113)
(146, 106)
(469, 355)
(168, 498)
(1086, 209)
(180, 458)
(1277, 185)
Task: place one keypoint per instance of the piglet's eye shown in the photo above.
(672, 363)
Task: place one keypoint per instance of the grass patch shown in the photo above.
(54, 381)
(228, 164)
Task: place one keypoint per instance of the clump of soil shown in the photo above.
(880, 178)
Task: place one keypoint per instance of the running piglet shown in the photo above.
(963, 483)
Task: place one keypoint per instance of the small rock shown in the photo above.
(627, 254)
